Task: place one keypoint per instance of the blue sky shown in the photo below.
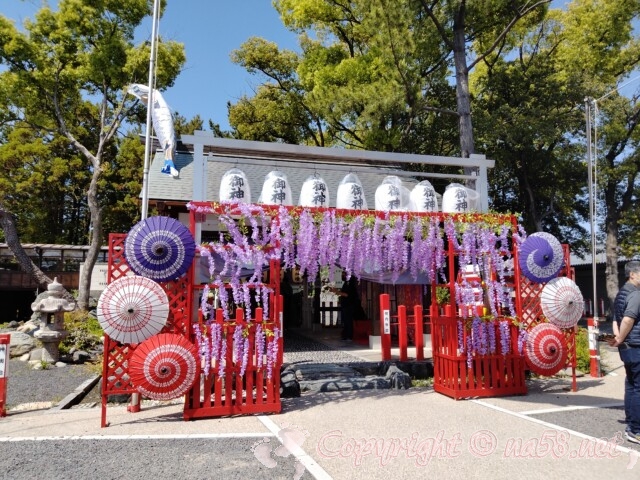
(210, 31)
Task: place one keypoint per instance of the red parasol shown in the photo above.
(562, 302)
(546, 350)
(164, 367)
(132, 309)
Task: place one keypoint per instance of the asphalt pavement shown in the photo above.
(376, 434)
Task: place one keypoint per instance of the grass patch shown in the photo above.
(422, 382)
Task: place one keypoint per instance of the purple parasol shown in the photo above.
(160, 248)
(540, 257)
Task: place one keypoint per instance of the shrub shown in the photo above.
(583, 358)
(84, 330)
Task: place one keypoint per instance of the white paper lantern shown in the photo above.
(234, 187)
(314, 192)
(424, 197)
(391, 195)
(459, 199)
(276, 189)
(351, 194)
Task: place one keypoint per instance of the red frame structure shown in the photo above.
(230, 393)
(115, 371)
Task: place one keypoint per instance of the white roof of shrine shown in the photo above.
(257, 159)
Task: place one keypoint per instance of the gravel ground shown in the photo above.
(299, 349)
(27, 386)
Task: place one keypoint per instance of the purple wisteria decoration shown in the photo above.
(505, 337)
(362, 244)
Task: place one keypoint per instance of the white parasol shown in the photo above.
(562, 302)
(132, 309)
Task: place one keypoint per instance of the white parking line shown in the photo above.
(553, 426)
(298, 453)
(568, 409)
(138, 437)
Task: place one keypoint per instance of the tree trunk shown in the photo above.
(7, 223)
(611, 248)
(84, 287)
(463, 97)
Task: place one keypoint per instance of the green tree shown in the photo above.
(368, 76)
(526, 109)
(472, 31)
(67, 76)
(529, 109)
(602, 49)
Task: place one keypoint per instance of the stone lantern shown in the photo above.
(50, 311)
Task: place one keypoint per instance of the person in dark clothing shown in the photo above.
(349, 302)
(626, 329)
(632, 274)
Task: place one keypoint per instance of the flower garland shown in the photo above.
(360, 244)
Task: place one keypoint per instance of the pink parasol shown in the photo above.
(546, 349)
(164, 367)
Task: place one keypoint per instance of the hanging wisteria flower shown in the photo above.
(238, 344)
(491, 336)
(216, 341)
(245, 356)
(522, 339)
(272, 352)
(207, 355)
(505, 337)
(260, 341)
(222, 358)
(461, 337)
(470, 351)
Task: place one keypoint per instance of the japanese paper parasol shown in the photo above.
(132, 309)
(540, 257)
(562, 302)
(546, 349)
(160, 248)
(164, 367)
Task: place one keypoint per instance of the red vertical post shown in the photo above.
(419, 331)
(594, 351)
(5, 338)
(402, 332)
(385, 326)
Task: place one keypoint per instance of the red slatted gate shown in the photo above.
(229, 393)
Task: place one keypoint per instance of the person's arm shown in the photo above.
(628, 319)
(625, 327)
(614, 327)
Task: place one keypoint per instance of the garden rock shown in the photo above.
(29, 328)
(398, 379)
(20, 343)
(289, 385)
(80, 356)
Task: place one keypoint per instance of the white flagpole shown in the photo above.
(147, 140)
